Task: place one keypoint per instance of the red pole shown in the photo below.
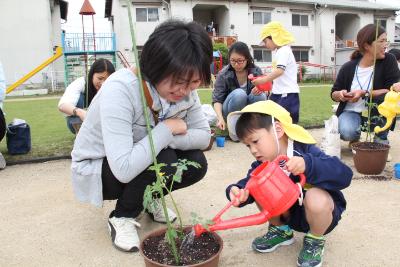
(300, 72)
(94, 39)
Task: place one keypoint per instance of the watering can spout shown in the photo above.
(250, 220)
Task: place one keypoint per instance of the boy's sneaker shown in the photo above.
(123, 233)
(273, 239)
(2, 161)
(156, 212)
(311, 253)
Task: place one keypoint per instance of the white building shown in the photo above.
(29, 31)
(325, 30)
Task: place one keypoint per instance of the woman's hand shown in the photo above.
(238, 195)
(296, 165)
(342, 95)
(256, 91)
(176, 125)
(81, 113)
(221, 123)
(355, 95)
(396, 87)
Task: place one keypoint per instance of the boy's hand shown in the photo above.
(296, 165)
(238, 195)
(260, 80)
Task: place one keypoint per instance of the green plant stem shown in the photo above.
(146, 115)
(370, 104)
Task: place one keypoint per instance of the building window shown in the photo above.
(261, 17)
(146, 14)
(301, 55)
(382, 22)
(262, 55)
(299, 20)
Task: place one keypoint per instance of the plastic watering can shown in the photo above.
(272, 189)
(389, 108)
(262, 87)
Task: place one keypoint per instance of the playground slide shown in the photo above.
(57, 54)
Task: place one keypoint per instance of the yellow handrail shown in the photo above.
(57, 54)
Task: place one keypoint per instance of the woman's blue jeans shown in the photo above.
(238, 99)
(75, 119)
(350, 127)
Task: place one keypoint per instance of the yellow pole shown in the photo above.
(58, 54)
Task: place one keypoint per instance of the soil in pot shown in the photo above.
(370, 158)
(202, 249)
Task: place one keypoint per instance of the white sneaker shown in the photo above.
(156, 212)
(123, 233)
(2, 162)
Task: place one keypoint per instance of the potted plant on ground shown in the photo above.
(173, 246)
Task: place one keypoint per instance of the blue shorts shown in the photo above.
(297, 218)
(291, 102)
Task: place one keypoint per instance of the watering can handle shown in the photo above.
(286, 158)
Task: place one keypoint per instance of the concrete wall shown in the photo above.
(26, 37)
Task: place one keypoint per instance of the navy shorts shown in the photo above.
(297, 219)
(291, 102)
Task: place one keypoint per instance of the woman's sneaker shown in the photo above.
(311, 253)
(124, 234)
(156, 212)
(274, 238)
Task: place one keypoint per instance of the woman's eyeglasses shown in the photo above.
(238, 61)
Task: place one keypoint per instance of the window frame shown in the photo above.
(264, 14)
(148, 14)
(301, 18)
(265, 54)
(294, 50)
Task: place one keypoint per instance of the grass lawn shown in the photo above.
(50, 136)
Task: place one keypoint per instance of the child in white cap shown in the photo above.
(267, 130)
(285, 90)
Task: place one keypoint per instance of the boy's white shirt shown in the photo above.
(287, 82)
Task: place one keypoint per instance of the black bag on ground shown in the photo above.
(18, 138)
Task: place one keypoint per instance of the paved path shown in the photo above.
(43, 225)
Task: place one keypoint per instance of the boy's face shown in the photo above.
(269, 44)
(262, 144)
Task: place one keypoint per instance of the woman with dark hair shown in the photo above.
(359, 79)
(73, 101)
(233, 90)
(112, 153)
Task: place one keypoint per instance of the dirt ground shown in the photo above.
(43, 225)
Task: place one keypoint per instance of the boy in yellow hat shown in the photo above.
(267, 130)
(285, 90)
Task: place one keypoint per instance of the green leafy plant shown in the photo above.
(223, 48)
(164, 183)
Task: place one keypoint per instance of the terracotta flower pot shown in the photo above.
(370, 158)
(211, 262)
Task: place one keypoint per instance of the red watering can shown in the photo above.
(262, 87)
(272, 189)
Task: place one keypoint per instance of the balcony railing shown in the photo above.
(346, 43)
(73, 43)
(228, 40)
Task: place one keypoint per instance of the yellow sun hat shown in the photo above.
(293, 131)
(278, 33)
